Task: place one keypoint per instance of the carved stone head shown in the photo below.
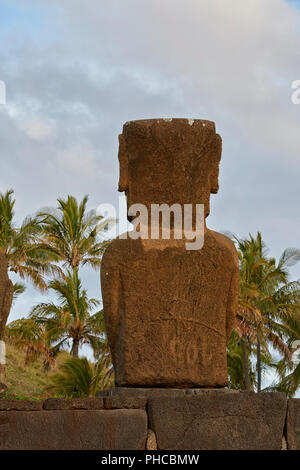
(169, 161)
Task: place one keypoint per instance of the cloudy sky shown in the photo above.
(76, 71)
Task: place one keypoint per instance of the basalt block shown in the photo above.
(20, 405)
(132, 395)
(218, 421)
(73, 430)
(124, 402)
(88, 403)
(293, 424)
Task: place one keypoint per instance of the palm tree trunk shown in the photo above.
(2, 373)
(75, 348)
(245, 364)
(258, 364)
(6, 296)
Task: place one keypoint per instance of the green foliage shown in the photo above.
(55, 244)
(18, 289)
(34, 340)
(288, 373)
(28, 381)
(9, 396)
(235, 364)
(268, 302)
(78, 378)
(21, 245)
(289, 383)
(71, 318)
(72, 234)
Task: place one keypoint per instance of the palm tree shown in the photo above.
(74, 235)
(289, 371)
(32, 338)
(71, 317)
(78, 378)
(289, 383)
(20, 253)
(267, 298)
(236, 356)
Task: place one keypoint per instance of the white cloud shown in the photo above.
(112, 61)
(79, 160)
(38, 128)
(34, 125)
(225, 59)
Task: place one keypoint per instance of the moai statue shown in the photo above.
(168, 310)
(6, 295)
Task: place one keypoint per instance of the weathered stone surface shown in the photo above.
(73, 430)
(219, 421)
(167, 161)
(130, 393)
(169, 311)
(20, 405)
(89, 403)
(293, 424)
(121, 402)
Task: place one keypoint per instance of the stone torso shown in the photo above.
(168, 311)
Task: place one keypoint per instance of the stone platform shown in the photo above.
(74, 424)
(193, 419)
(164, 419)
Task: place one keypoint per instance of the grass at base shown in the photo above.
(27, 381)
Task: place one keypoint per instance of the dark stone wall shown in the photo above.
(219, 421)
(138, 419)
(75, 424)
(293, 424)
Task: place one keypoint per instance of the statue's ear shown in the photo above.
(123, 162)
(214, 177)
(214, 180)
